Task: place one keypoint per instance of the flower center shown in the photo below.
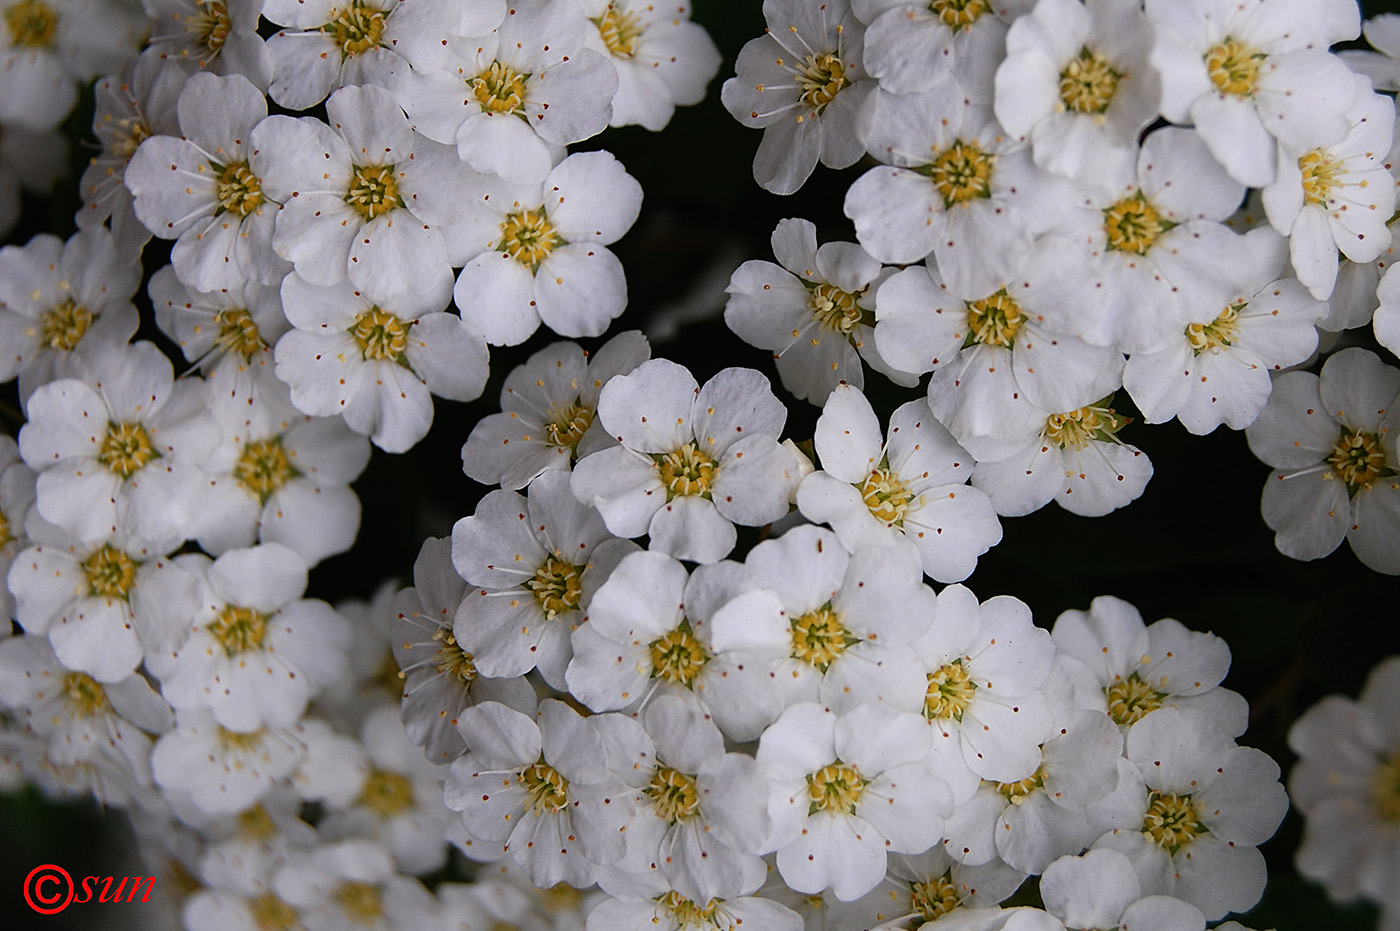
(239, 190)
(381, 335)
(558, 586)
(962, 173)
(821, 78)
(834, 788)
(257, 824)
(528, 237)
(63, 325)
(84, 695)
(238, 333)
(357, 29)
(678, 656)
(1219, 334)
(32, 24)
(451, 659)
(387, 793)
(818, 637)
(686, 471)
(241, 742)
(211, 25)
(5, 535)
(263, 468)
(959, 14)
(1234, 67)
(1016, 792)
(1320, 170)
(567, 424)
(1358, 459)
(500, 89)
(548, 791)
(886, 495)
(1077, 429)
(373, 190)
(621, 30)
(1131, 699)
(995, 320)
(1133, 224)
(837, 310)
(686, 913)
(673, 794)
(949, 693)
(1171, 821)
(126, 449)
(128, 135)
(1385, 788)
(239, 630)
(934, 898)
(361, 902)
(1088, 83)
(110, 573)
(270, 913)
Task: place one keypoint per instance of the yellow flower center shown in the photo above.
(686, 913)
(239, 629)
(450, 659)
(241, 742)
(211, 24)
(949, 692)
(1077, 429)
(886, 495)
(357, 29)
(126, 449)
(5, 535)
(621, 31)
(547, 790)
(1234, 67)
(837, 310)
(994, 320)
(84, 695)
(1171, 821)
(361, 902)
(381, 335)
(110, 573)
(387, 793)
(270, 913)
(559, 899)
(678, 656)
(1385, 788)
(238, 333)
(239, 190)
(959, 14)
(818, 637)
(834, 788)
(264, 468)
(934, 898)
(1133, 224)
(686, 471)
(257, 824)
(128, 135)
(1358, 459)
(1219, 334)
(1320, 170)
(528, 237)
(373, 190)
(962, 173)
(1088, 83)
(673, 794)
(1131, 699)
(821, 78)
(1016, 792)
(500, 89)
(63, 325)
(33, 24)
(558, 586)
(567, 424)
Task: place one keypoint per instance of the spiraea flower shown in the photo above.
(220, 36)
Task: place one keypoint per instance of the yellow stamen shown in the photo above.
(381, 335)
(1358, 459)
(1131, 699)
(621, 31)
(886, 495)
(687, 914)
(1017, 792)
(548, 791)
(239, 190)
(678, 656)
(357, 29)
(821, 78)
(264, 468)
(1077, 429)
(837, 310)
(818, 637)
(557, 585)
(373, 190)
(1133, 224)
(686, 471)
(500, 89)
(934, 898)
(238, 332)
(211, 25)
(84, 695)
(451, 659)
(949, 692)
(1171, 821)
(673, 794)
(63, 325)
(110, 573)
(528, 237)
(1234, 67)
(1385, 788)
(959, 14)
(1320, 170)
(994, 320)
(962, 173)
(566, 424)
(239, 629)
(835, 788)
(270, 913)
(33, 24)
(387, 793)
(1088, 83)
(361, 902)
(1220, 333)
(126, 449)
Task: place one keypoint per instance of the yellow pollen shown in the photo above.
(686, 471)
(5, 535)
(239, 629)
(357, 29)
(128, 135)
(211, 25)
(821, 78)
(239, 190)
(1171, 821)
(500, 89)
(241, 742)
(1077, 429)
(1320, 170)
(962, 173)
(886, 495)
(63, 325)
(373, 190)
(1133, 224)
(361, 902)
(264, 468)
(257, 824)
(558, 586)
(834, 788)
(995, 320)
(566, 424)
(238, 332)
(1234, 67)
(678, 657)
(818, 637)
(270, 913)
(528, 237)
(126, 449)
(387, 793)
(547, 790)
(110, 573)
(673, 794)
(1358, 459)
(949, 693)
(1219, 334)
(1385, 788)
(837, 310)
(84, 695)
(381, 335)
(1088, 83)
(450, 659)
(686, 913)
(621, 31)
(33, 24)
(934, 898)
(1016, 792)
(959, 14)
(1131, 699)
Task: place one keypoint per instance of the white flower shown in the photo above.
(16, 499)
(223, 771)
(1100, 890)
(674, 912)
(353, 884)
(931, 885)
(218, 35)
(1382, 66)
